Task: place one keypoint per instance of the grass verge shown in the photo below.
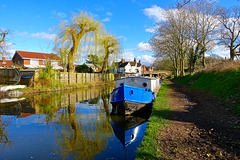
(223, 84)
(149, 147)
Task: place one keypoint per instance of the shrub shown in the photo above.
(83, 69)
(45, 75)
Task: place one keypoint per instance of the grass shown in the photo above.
(149, 147)
(225, 85)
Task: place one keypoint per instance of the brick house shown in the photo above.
(6, 63)
(146, 68)
(36, 60)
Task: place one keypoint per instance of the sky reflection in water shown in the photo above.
(73, 125)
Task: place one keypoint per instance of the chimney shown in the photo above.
(123, 60)
(3, 59)
(139, 61)
(134, 59)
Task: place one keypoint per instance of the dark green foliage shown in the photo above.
(83, 69)
(225, 85)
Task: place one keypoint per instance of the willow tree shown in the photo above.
(80, 32)
(63, 53)
(111, 46)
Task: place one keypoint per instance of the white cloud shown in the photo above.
(122, 37)
(43, 35)
(22, 34)
(221, 51)
(151, 30)
(58, 14)
(146, 60)
(143, 47)
(106, 19)
(109, 14)
(128, 56)
(155, 12)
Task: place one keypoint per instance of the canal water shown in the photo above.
(75, 125)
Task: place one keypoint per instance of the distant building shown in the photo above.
(96, 68)
(146, 68)
(129, 68)
(36, 60)
(6, 63)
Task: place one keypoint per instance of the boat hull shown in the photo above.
(128, 108)
(127, 99)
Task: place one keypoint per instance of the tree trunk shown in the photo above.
(203, 59)
(74, 125)
(71, 56)
(191, 62)
(175, 72)
(232, 54)
(182, 74)
(105, 61)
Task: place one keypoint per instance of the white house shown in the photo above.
(129, 68)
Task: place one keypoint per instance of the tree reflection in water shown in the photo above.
(83, 135)
(3, 132)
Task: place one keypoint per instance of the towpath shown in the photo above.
(200, 128)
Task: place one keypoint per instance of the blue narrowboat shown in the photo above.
(136, 97)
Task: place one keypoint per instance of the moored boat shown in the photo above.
(133, 94)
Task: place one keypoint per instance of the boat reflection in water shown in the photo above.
(130, 131)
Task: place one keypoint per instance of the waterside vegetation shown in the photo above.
(161, 109)
(220, 80)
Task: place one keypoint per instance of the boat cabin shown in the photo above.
(140, 82)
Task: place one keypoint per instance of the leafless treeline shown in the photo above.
(193, 28)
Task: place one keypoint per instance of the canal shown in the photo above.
(74, 125)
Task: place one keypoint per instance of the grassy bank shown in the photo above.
(161, 109)
(225, 85)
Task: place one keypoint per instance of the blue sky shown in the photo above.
(32, 22)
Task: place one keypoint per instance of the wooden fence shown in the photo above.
(80, 78)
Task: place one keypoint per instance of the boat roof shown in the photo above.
(147, 78)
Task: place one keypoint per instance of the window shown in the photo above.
(34, 62)
(54, 63)
(144, 84)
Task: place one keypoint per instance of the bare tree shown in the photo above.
(173, 38)
(230, 30)
(163, 46)
(180, 28)
(204, 27)
(3, 44)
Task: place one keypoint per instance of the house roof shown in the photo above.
(37, 55)
(90, 65)
(6, 63)
(131, 63)
(123, 64)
